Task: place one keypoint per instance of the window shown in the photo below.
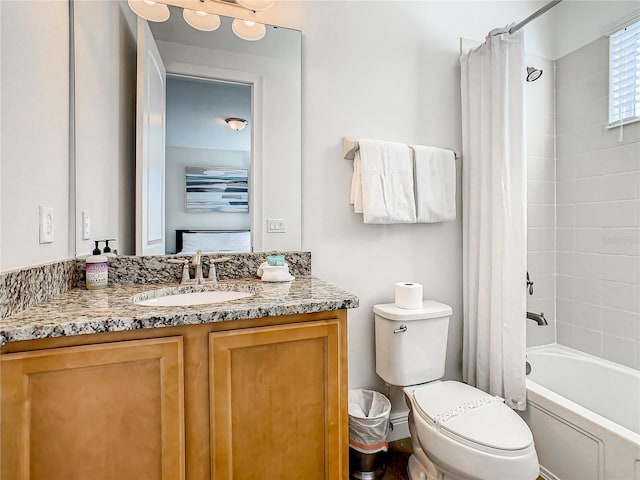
(624, 75)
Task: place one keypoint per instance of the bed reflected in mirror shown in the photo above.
(188, 242)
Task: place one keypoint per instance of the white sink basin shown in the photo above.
(194, 298)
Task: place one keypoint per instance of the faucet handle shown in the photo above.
(220, 259)
(529, 284)
(178, 260)
(213, 274)
(185, 269)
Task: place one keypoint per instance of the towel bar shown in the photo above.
(349, 147)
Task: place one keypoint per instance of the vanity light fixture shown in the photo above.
(203, 21)
(207, 21)
(150, 10)
(236, 123)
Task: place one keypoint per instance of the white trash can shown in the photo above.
(368, 427)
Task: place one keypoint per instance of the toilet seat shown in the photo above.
(473, 418)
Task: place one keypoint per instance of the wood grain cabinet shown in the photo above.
(109, 411)
(243, 400)
(275, 399)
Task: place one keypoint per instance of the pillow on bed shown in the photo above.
(216, 242)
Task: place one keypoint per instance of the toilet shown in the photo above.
(457, 431)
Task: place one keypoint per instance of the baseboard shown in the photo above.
(546, 474)
(399, 426)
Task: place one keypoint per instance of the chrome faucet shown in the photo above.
(197, 262)
(539, 319)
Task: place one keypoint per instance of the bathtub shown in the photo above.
(584, 413)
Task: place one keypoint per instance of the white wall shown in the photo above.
(34, 158)
(575, 23)
(105, 122)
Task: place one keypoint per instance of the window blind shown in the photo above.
(624, 75)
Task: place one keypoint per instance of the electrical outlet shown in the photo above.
(46, 225)
(86, 226)
(276, 225)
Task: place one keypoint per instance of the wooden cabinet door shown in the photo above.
(112, 411)
(278, 402)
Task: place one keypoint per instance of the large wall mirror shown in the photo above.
(158, 166)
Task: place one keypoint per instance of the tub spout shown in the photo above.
(539, 319)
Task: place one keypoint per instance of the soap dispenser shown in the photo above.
(96, 270)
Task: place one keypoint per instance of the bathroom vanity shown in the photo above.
(95, 386)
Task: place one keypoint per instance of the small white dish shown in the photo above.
(275, 273)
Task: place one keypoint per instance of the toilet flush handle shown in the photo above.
(402, 328)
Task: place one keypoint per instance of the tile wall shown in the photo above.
(598, 213)
(541, 199)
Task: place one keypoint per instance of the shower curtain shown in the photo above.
(494, 217)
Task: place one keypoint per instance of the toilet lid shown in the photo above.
(482, 422)
(430, 309)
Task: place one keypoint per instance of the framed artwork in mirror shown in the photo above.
(216, 189)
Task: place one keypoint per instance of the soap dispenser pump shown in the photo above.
(107, 248)
(96, 250)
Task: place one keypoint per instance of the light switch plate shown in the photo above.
(46, 225)
(276, 225)
(86, 226)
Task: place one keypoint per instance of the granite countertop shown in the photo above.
(81, 311)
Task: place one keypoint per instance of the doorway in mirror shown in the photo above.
(207, 162)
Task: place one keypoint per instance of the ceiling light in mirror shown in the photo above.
(248, 30)
(236, 123)
(205, 22)
(150, 10)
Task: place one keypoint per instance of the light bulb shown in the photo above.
(202, 21)
(150, 10)
(248, 30)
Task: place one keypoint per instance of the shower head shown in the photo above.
(533, 74)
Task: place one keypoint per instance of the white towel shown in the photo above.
(435, 184)
(386, 171)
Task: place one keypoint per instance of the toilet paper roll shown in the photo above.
(408, 295)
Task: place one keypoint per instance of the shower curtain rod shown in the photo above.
(534, 15)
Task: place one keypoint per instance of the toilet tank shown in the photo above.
(411, 344)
